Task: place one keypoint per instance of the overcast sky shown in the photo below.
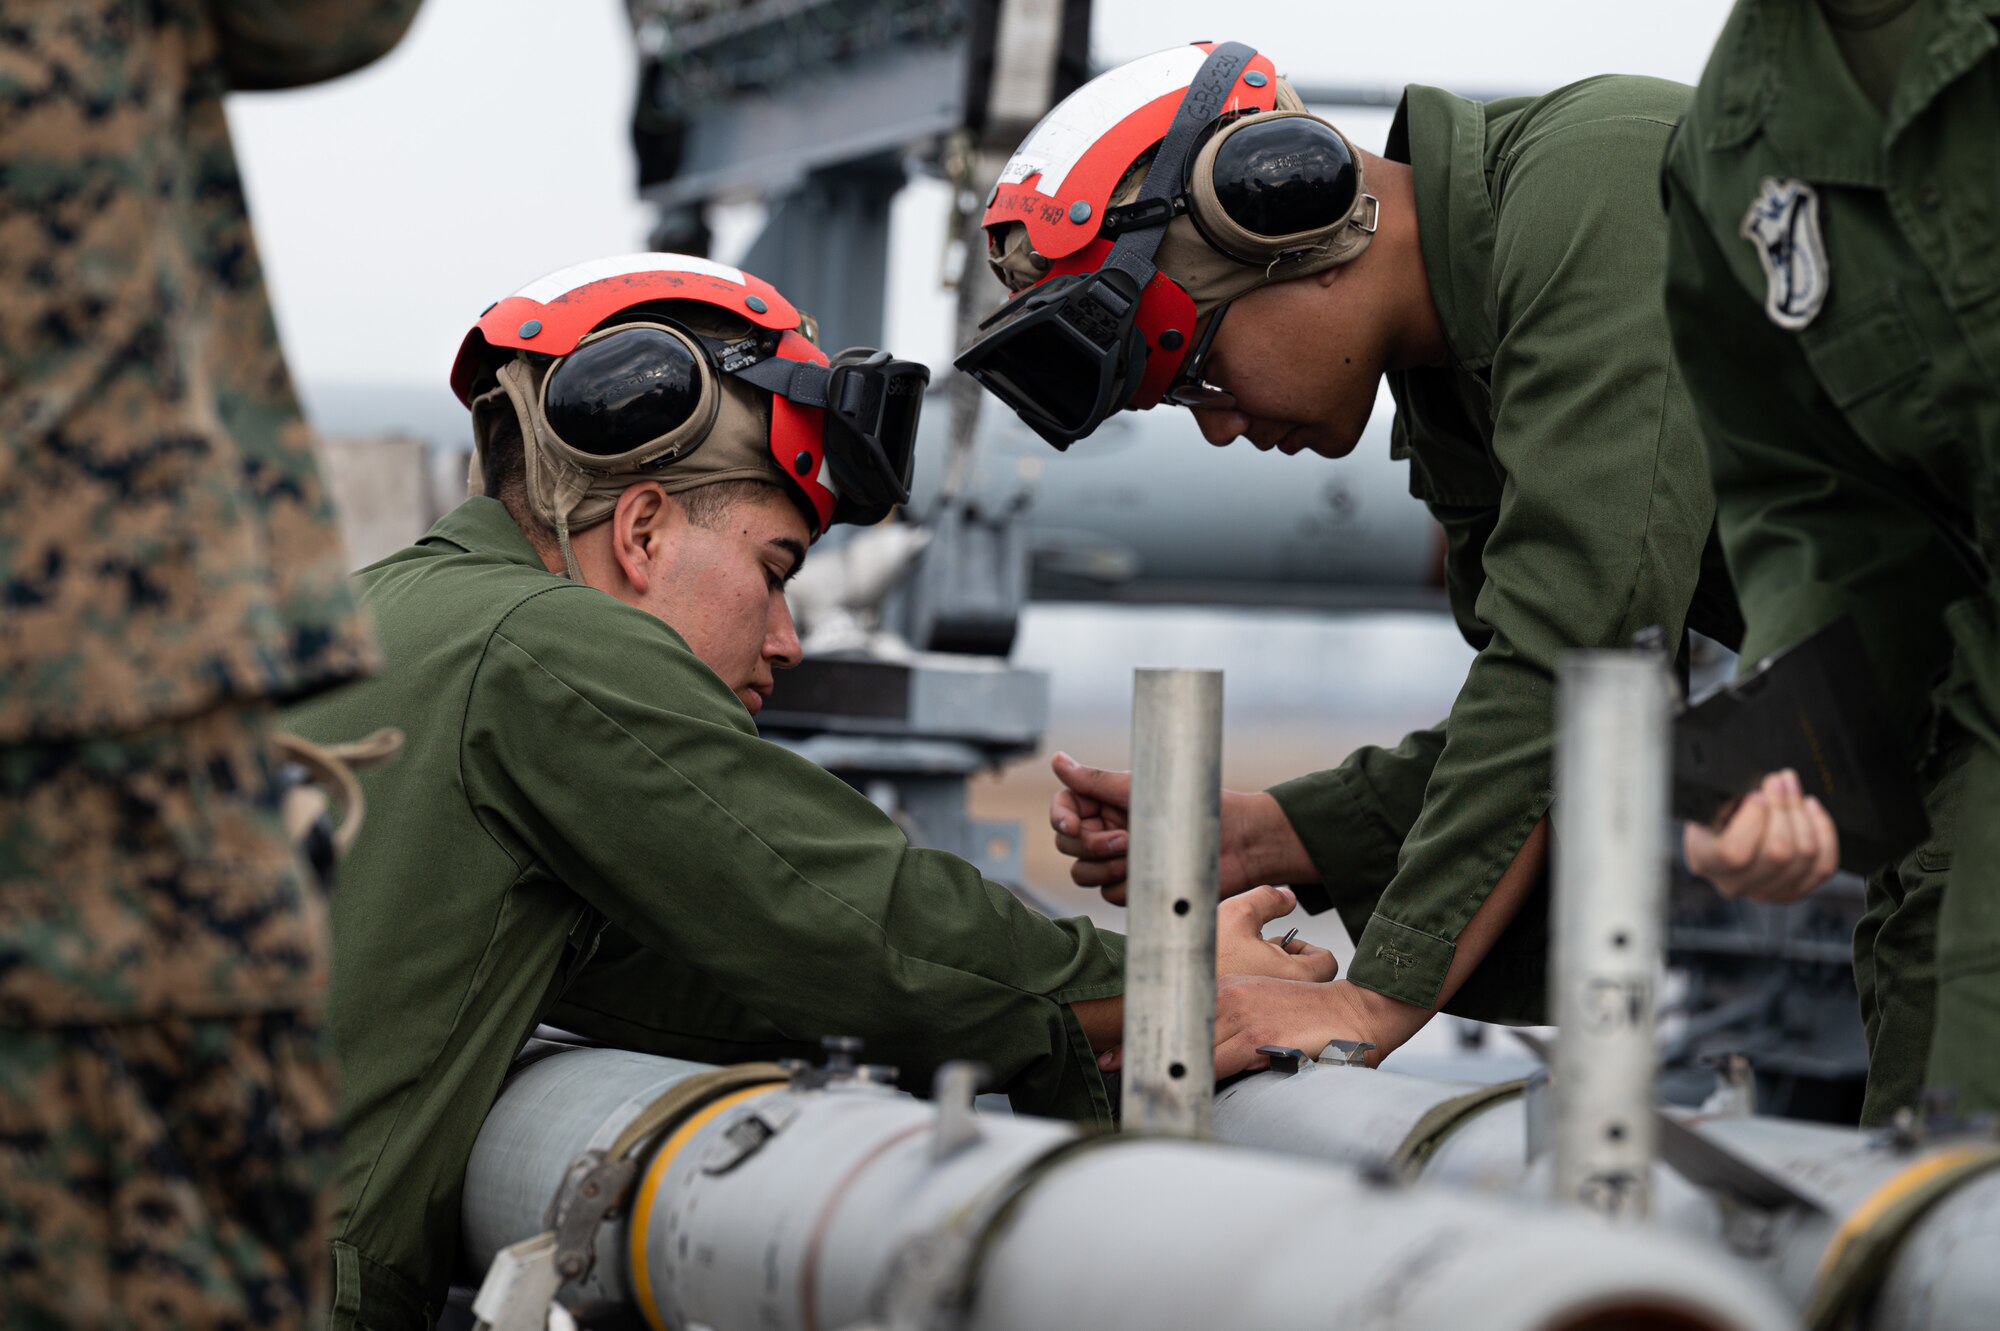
(492, 146)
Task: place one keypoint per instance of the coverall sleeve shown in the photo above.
(1604, 510)
(1352, 820)
(620, 762)
(1815, 524)
(270, 44)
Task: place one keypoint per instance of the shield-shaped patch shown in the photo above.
(1783, 223)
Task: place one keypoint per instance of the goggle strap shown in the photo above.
(1133, 253)
(799, 382)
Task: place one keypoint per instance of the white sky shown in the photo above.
(492, 146)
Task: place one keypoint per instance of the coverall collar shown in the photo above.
(482, 526)
(1815, 133)
(1443, 140)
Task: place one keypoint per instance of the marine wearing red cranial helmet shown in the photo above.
(676, 369)
(1154, 195)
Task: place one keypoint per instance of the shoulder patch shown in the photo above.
(1783, 223)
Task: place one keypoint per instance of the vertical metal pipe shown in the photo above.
(1610, 827)
(1174, 864)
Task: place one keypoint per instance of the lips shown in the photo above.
(755, 697)
(1286, 443)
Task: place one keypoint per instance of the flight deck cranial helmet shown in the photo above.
(1112, 266)
(675, 369)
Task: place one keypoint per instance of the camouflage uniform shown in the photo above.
(169, 571)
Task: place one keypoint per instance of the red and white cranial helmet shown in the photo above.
(685, 372)
(553, 314)
(1190, 176)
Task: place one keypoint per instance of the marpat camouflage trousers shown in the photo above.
(166, 1094)
(172, 1175)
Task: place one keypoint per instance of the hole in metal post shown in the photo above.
(1616, 1132)
(1177, 1071)
(1619, 939)
(1181, 906)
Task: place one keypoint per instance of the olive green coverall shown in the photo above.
(1846, 369)
(570, 762)
(1560, 453)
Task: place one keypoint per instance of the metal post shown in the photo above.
(1174, 863)
(1610, 901)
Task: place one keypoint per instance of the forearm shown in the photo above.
(1392, 1021)
(1103, 1021)
(1272, 851)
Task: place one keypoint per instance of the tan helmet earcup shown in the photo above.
(1335, 243)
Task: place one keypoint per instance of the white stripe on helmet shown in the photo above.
(545, 289)
(1055, 146)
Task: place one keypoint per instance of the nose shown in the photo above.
(781, 636)
(1220, 427)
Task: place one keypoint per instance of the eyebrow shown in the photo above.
(793, 548)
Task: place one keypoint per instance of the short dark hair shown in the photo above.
(503, 465)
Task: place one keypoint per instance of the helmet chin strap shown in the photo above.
(561, 486)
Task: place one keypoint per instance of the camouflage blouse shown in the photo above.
(166, 541)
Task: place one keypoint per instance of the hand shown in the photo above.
(1091, 816)
(1777, 846)
(1242, 949)
(1252, 1011)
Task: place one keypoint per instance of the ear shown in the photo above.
(645, 527)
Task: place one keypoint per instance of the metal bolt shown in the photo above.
(1255, 78)
(1079, 211)
(841, 1050)
(571, 1266)
(591, 1189)
(1171, 340)
(803, 463)
(756, 304)
(530, 328)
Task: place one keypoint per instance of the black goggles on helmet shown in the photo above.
(1064, 354)
(644, 395)
(871, 401)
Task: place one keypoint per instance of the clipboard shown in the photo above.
(1814, 708)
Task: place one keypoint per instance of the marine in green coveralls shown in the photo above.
(1500, 265)
(584, 826)
(1833, 288)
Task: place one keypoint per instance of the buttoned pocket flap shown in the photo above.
(1865, 347)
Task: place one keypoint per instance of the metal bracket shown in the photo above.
(1538, 1113)
(1284, 1058)
(1143, 213)
(745, 1137)
(1709, 1164)
(591, 1190)
(1345, 1054)
(956, 1085)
